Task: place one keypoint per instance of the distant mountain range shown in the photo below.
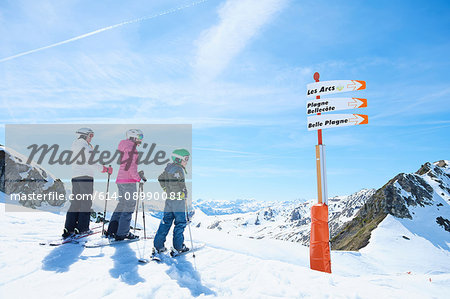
(288, 220)
(422, 197)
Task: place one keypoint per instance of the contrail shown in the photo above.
(103, 29)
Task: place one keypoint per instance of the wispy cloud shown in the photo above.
(173, 10)
(240, 21)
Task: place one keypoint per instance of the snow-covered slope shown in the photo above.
(288, 221)
(228, 266)
(420, 201)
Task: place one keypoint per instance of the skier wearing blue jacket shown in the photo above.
(172, 181)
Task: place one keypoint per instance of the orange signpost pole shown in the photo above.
(319, 244)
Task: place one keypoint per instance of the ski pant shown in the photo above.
(121, 218)
(174, 210)
(79, 213)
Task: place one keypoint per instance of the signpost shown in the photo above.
(319, 240)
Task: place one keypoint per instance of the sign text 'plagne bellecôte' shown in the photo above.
(334, 104)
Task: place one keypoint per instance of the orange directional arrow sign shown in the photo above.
(329, 87)
(334, 104)
(318, 122)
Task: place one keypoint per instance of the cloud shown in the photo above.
(173, 10)
(240, 21)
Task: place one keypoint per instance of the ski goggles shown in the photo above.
(140, 136)
(185, 158)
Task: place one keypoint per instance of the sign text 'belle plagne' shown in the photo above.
(318, 122)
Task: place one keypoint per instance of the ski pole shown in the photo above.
(189, 227)
(137, 210)
(141, 186)
(106, 201)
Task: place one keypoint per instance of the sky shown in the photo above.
(237, 71)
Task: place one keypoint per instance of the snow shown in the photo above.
(446, 168)
(24, 175)
(418, 254)
(403, 193)
(2, 197)
(424, 222)
(228, 266)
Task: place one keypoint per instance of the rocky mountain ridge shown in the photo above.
(17, 177)
(423, 196)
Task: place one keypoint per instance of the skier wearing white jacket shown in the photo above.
(78, 215)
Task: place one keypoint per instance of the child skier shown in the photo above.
(119, 226)
(79, 213)
(172, 181)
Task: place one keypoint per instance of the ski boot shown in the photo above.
(109, 235)
(175, 252)
(86, 232)
(129, 236)
(66, 234)
(157, 251)
(157, 254)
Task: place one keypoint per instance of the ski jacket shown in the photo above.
(172, 179)
(82, 150)
(128, 165)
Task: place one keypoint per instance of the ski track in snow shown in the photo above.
(228, 266)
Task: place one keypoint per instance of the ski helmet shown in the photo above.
(179, 155)
(84, 132)
(135, 135)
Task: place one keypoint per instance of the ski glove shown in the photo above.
(142, 176)
(107, 169)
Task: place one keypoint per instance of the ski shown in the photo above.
(107, 242)
(160, 256)
(175, 254)
(153, 258)
(74, 239)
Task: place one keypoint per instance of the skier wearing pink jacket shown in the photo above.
(119, 225)
(128, 167)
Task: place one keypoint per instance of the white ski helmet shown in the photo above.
(135, 135)
(84, 132)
